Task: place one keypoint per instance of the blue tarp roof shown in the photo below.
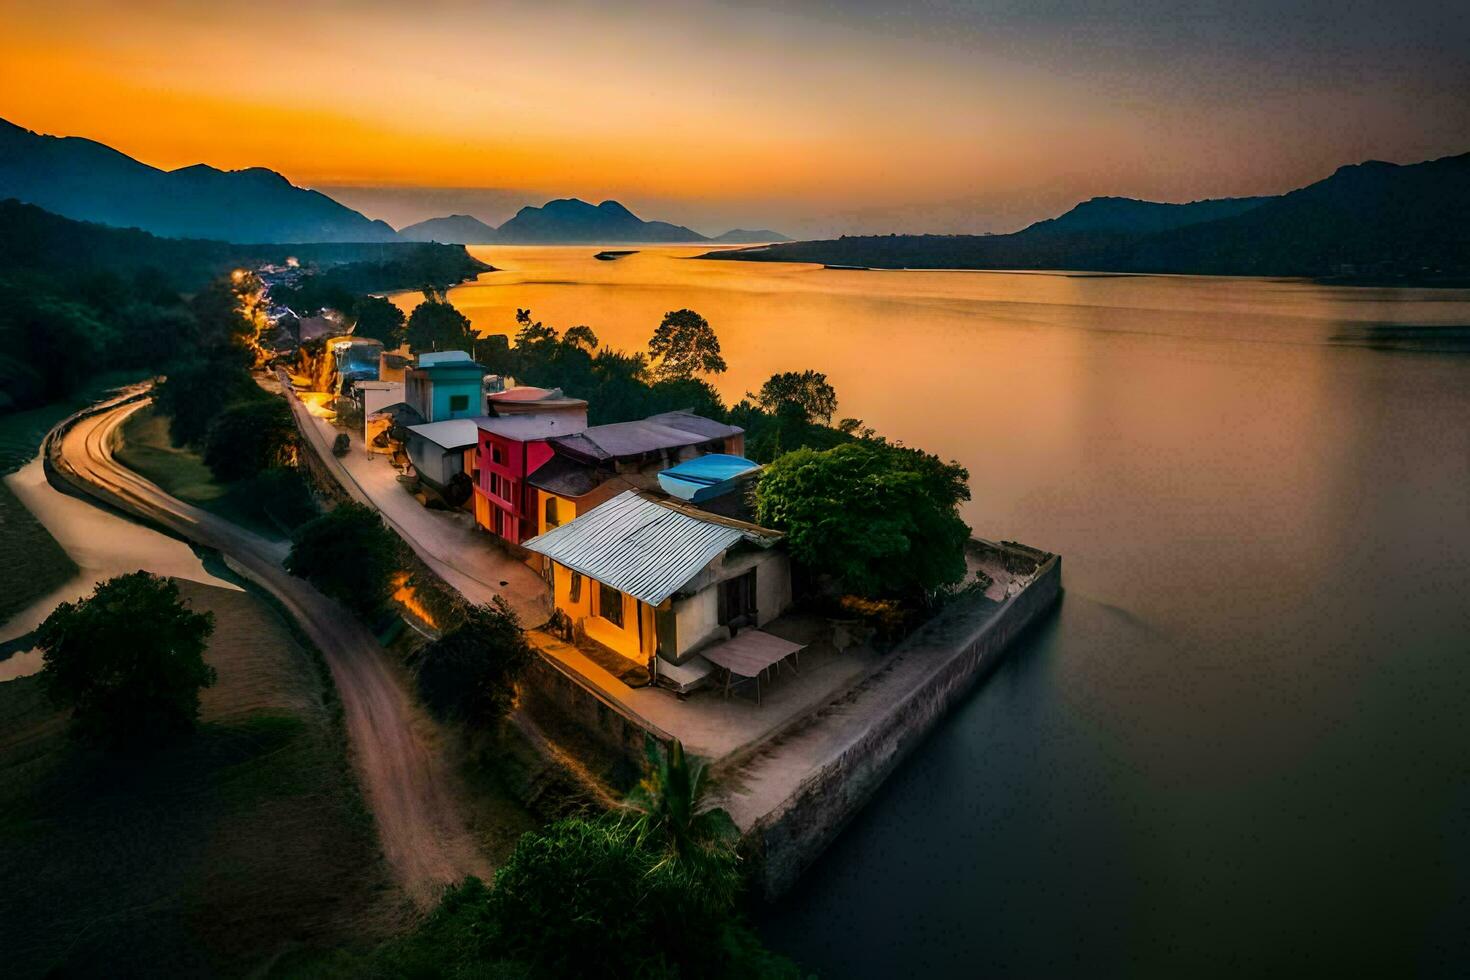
(712, 468)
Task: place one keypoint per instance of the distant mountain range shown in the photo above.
(37, 240)
(456, 229)
(571, 221)
(89, 181)
(85, 180)
(1373, 222)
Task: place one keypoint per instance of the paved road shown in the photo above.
(448, 542)
(411, 794)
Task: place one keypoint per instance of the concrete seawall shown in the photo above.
(849, 753)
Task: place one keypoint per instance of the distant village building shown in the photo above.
(514, 443)
(374, 396)
(600, 462)
(353, 359)
(658, 580)
(444, 388)
(445, 385)
(393, 366)
(439, 450)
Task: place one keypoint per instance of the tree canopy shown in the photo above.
(248, 437)
(436, 325)
(379, 319)
(807, 390)
(128, 660)
(581, 336)
(685, 345)
(349, 555)
(881, 519)
(469, 674)
(193, 393)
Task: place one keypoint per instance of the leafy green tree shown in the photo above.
(250, 436)
(60, 340)
(192, 393)
(435, 325)
(883, 520)
(148, 334)
(808, 390)
(223, 329)
(349, 555)
(379, 319)
(469, 674)
(580, 336)
(493, 351)
(685, 345)
(128, 660)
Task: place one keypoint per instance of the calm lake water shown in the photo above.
(1240, 746)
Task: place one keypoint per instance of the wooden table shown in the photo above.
(749, 654)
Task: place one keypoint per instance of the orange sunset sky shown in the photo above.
(807, 117)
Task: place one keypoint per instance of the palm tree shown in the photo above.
(672, 808)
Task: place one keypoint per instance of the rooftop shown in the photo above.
(566, 477)
(671, 430)
(644, 546)
(526, 428)
(450, 433)
(707, 477)
(432, 358)
(403, 413)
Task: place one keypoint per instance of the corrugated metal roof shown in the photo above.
(670, 430)
(643, 546)
(449, 433)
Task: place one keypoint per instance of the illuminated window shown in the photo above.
(610, 604)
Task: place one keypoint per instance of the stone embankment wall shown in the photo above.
(955, 653)
(554, 696)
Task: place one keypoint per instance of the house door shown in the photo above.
(737, 601)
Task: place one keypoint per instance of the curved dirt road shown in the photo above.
(425, 840)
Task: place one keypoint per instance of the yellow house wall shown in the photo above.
(583, 613)
(566, 510)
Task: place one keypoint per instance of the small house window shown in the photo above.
(610, 604)
(459, 403)
(551, 520)
(497, 455)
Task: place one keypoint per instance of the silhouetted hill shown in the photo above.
(38, 241)
(573, 221)
(85, 180)
(1371, 220)
(1374, 221)
(456, 229)
(743, 236)
(1126, 215)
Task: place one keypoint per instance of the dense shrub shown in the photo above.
(469, 674)
(128, 660)
(249, 437)
(349, 555)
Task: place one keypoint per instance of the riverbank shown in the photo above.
(32, 564)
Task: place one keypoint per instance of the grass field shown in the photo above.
(31, 562)
(213, 857)
(144, 447)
